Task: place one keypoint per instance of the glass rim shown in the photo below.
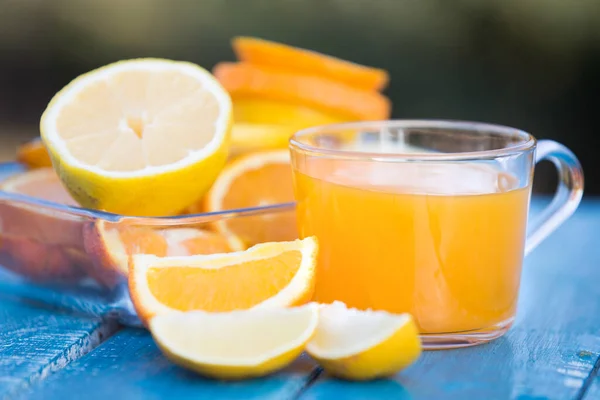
(528, 141)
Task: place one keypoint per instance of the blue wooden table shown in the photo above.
(552, 352)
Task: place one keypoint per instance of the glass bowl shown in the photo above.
(57, 255)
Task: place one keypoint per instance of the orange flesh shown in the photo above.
(34, 154)
(143, 241)
(209, 243)
(243, 80)
(46, 186)
(451, 258)
(277, 55)
(269, 184)
(238, 286)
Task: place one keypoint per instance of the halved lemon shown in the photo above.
(139, 137)
(253, 180)
(236, 344)
(267, 275)
(361, 345)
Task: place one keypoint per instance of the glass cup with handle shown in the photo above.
(427, 217)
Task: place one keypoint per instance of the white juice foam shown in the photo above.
(423, 178)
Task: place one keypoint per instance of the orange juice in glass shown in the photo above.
(426, 217)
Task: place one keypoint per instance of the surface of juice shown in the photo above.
(444, 242)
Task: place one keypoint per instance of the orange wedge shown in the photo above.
(245, 80)
(276, 274)
(111, 245)
(254, 180)
(34, 154)
(277, 55)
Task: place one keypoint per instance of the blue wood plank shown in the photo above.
(129, 366)
(548, 354)
(35, 341)
(593, 393)
(550, 351)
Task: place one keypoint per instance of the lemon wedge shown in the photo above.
(236, 344)
(362, 345)
(139, 137)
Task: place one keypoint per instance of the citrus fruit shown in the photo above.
(361, 345)
(34, 154)
(42, 183)
(111, 245)
(264, 111)
(255, 180)
(236, 344)
(277, 55)
(37, 242)
(45, 225)
(247, 138)
(266, 275)
(244, 80)
(139, 137)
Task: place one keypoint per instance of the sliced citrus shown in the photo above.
(264, 111)
(254, 180)
(361, 345)
(244, 80)
(34, 154)
(42, 183)
(111, 245)
(38, 242)
(139, 137)
(37, 222)
(246, 138)
(266, 275)
(236, 344)
(272, 54)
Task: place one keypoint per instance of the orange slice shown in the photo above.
(254, 180)
(264, 111)
(277, 274)
(277, 55)
(244, 80)
(111, 245)
(38, 242)
(42, 183)
(34, 154)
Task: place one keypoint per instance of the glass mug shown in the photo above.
(427, 217)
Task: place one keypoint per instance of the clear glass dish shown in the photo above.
(53, 254)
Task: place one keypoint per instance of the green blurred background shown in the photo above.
(532, 64)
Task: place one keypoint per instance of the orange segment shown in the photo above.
(244, 80)
(276, 274)
(277, 55)
(253, 180)
(111, 245)
(34, 154)
(166, 283)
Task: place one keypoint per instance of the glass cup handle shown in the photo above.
(568, 194)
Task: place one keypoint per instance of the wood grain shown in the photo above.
(548, 354)
(35, 341)
(129, 366)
